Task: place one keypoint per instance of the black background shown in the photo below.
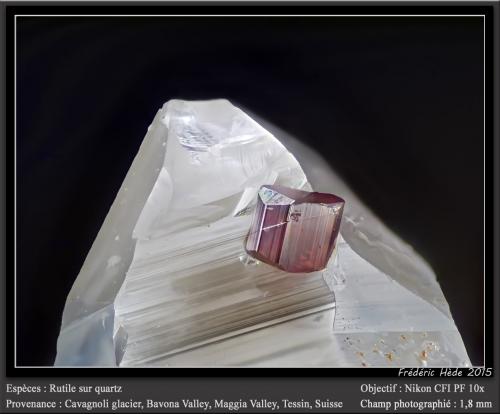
(395, 105)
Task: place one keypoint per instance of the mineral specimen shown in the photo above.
(163, 284)
(294, 230)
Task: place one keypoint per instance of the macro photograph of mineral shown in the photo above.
(249, 191)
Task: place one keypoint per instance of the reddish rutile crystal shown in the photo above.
(294, 230)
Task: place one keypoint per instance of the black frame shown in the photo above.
(242, 8)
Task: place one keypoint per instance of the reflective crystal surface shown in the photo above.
(294, 230)
(167, 282)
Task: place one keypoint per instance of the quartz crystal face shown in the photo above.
(294, 230)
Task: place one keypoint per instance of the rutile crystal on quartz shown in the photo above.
(163, 284)
(294, 230)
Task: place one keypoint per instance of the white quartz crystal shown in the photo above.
(163, 284)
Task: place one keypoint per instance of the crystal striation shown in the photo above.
(294, 230)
